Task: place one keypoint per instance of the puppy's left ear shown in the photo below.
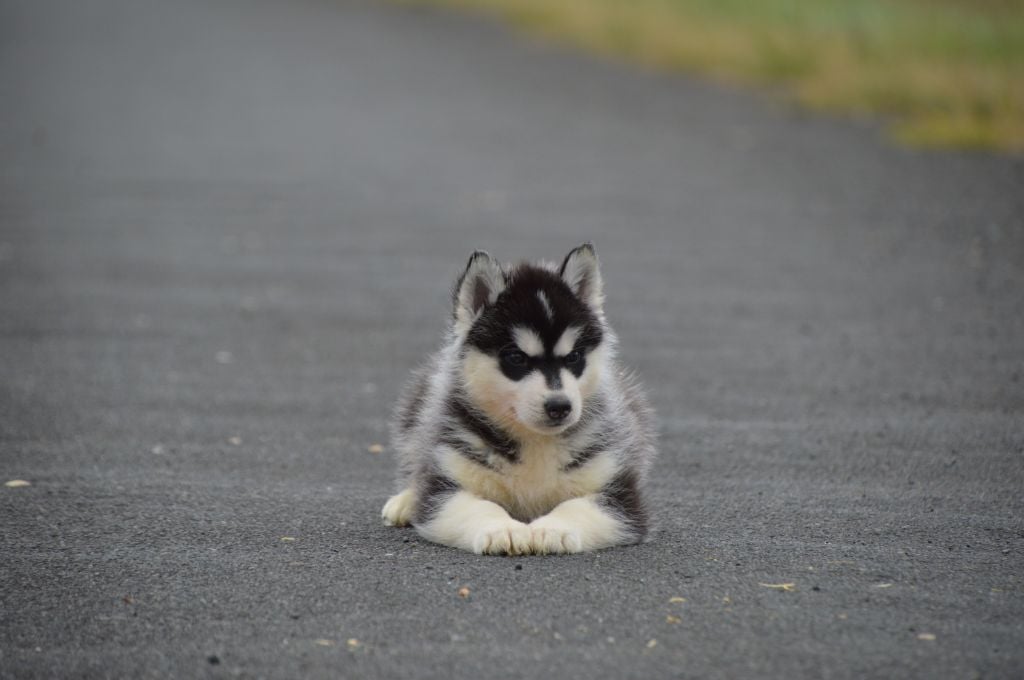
(478, 287)
(581, 272)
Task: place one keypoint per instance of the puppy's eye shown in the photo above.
(514, 358)
(573, 357)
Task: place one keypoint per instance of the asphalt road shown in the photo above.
(227, 232)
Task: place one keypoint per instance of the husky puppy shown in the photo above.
(522, 435)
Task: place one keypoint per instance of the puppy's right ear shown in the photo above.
(478, 287)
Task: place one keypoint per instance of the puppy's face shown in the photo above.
(522, 381)
(533, 354)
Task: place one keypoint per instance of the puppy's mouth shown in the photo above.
(544, 425)
(541, 424)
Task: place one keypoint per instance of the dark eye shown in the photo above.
(514, 358)
(573, 357)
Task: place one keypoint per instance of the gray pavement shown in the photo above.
(227, 230)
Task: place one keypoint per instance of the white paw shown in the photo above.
(398, 510)
(509, 538)
(555, 538)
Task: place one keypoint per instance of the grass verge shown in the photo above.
(944, 73)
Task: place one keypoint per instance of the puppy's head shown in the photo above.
(531, 337)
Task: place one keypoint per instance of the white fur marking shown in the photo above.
(471, 523)
(576, 525)
(528, 341)
(567, 341)
(488, 388)
(550, 313)
(398, 510)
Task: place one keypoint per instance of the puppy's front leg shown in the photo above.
(461, 520)
(614, 516)
(574, 526)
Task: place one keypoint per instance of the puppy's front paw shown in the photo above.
(553, 537)
(509, 538)
(398, 510)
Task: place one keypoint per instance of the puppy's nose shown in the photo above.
(557, 408)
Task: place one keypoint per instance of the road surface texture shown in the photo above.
(228, 233)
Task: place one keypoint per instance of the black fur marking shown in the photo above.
(514, 370)
(476, 423)
(518, 306)
(623, 496)
(583, 456)
(435, 489)
(552, 369)
(450, 437)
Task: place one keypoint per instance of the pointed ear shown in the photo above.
(581, 272)
(478, 287)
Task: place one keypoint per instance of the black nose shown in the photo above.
(557, 408)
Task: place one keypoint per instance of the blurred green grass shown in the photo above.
(943, 73)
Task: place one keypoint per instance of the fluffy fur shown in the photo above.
(522, 435)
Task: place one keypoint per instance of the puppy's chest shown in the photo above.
(536, 482)
(539, 467)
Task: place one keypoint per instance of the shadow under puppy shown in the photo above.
(522, 434)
